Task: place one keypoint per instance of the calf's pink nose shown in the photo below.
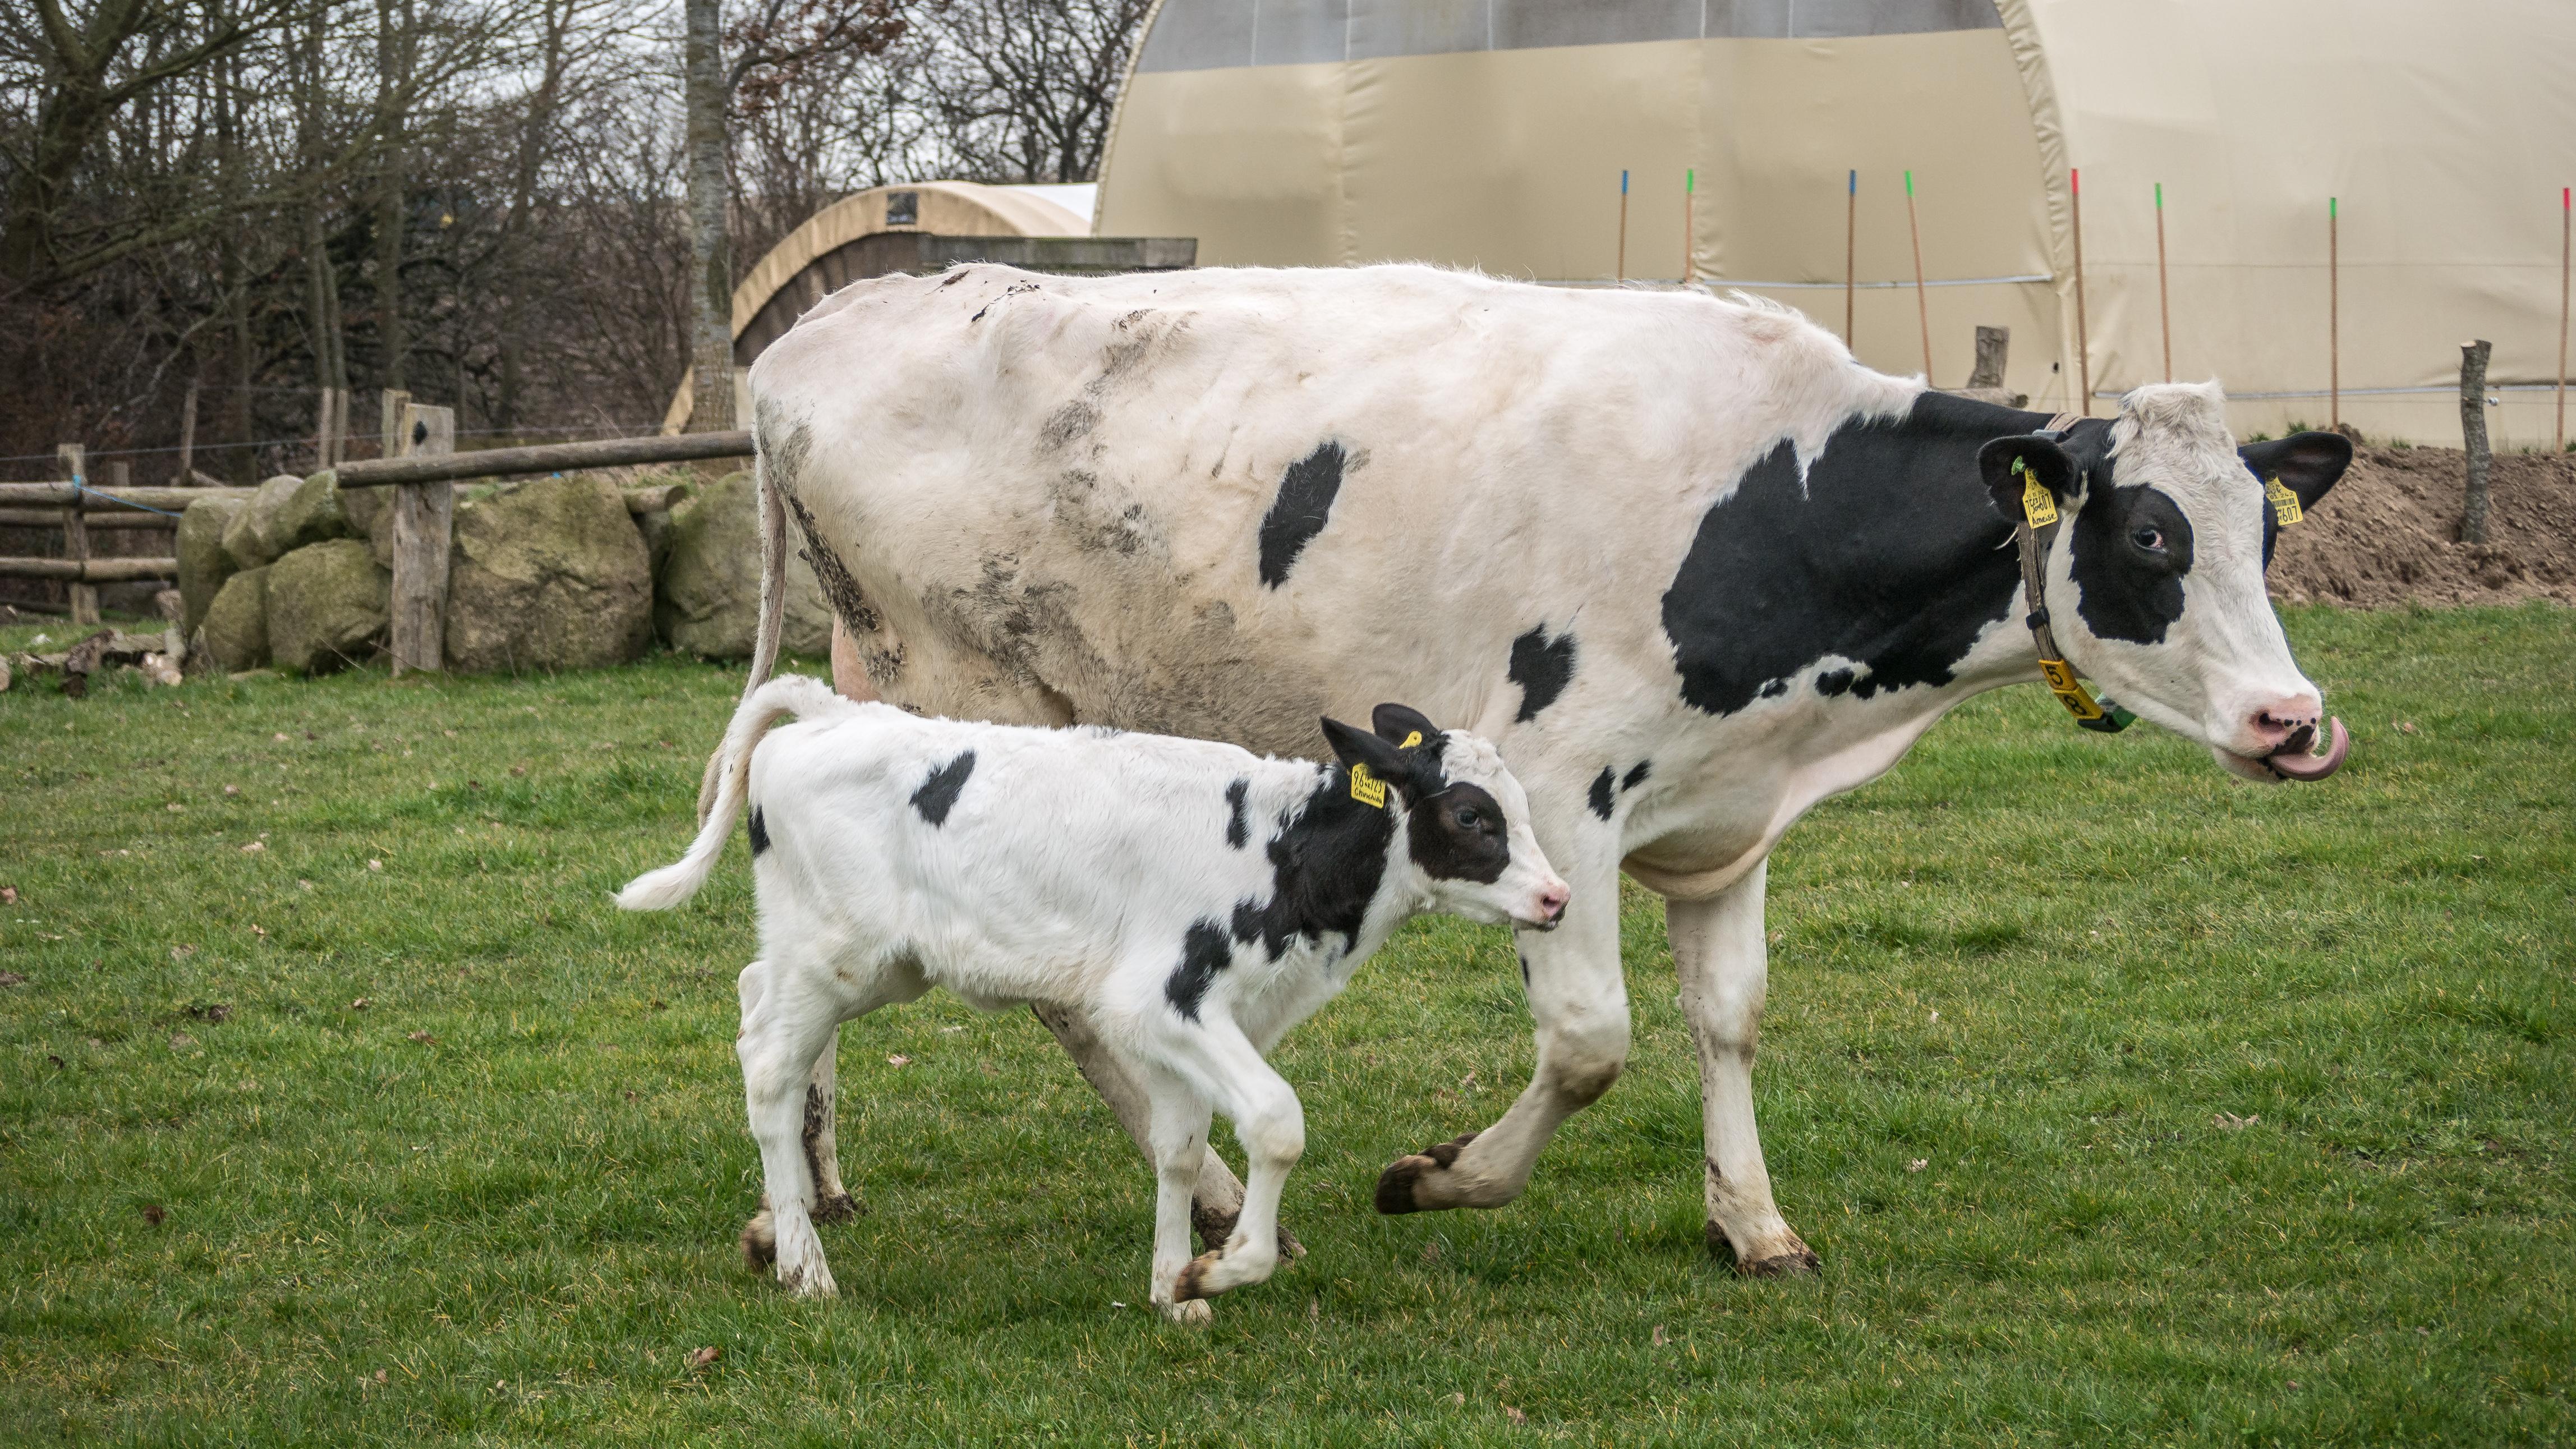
(1551, 901)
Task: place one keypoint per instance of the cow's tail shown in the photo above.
(773, 603)
(793, 694)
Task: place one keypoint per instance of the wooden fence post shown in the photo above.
(74, 460)
(389, 422)
(187, 437)
(424, 526)
(2473, 436)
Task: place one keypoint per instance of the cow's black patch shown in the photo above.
(1602, 798)
(1888, 552)
(1525, 981)
(1305, 501)
(939, 793)
(2131, 548)
(1834, 682)
(1636, 775)
(1238, 830)
(1326, 863)
(1204, 952)
(759, 832)
(1457, 834)
(1541, 667)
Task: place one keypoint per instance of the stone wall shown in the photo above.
(545, 574)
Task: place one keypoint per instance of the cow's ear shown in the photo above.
(1403, 723)
(2038, 456)
(1353, 746)
(2306, 463)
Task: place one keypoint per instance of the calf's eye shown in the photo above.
(1467, 817)
(2149, 538)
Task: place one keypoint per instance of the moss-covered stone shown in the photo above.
(246, 537)
(708, 598)
(308, 513)
(203, 564)
(236, 623)
(328, 604)
(547, 574)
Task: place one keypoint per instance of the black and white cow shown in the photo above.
(1685, 561)
(1193, 901)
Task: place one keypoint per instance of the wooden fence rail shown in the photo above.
(544, 458)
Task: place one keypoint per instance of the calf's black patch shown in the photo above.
(1602, 798)
(1238, 830)
(938, 794)
(759, 833)
(1457, 834)
(1541, 667)
(1636, 775)
(1298, 513)
(1204, 952)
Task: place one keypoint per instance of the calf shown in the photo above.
(1192, 899)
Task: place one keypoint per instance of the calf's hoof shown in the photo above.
(813, 1281)
(1192, 1312)
(759, 1242)
(1402, 1187)
(838, 1208)
(1214, 1228)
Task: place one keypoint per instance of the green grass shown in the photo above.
(524, 1225)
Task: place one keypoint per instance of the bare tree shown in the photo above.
(1024, 88)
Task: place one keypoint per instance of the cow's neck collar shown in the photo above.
(2034, 534)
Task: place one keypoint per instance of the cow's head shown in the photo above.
(1466, 820)
(2155, 584)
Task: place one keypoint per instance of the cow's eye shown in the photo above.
(2149, 538)
(1468, 818)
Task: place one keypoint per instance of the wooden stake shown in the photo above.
(74, 461)
(2083, 343)
(1922, 309)
(2334, 317)
(1690, 196)
(1623, 226)
(424, 530)
(390, 404)
(2164, 303)
(187, 436)
(1851, 250)
(2566, 236)
(2473, 437)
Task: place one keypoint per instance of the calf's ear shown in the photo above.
(1396, 721)
(2040, 457)
(1353, 746)
(2306, 463)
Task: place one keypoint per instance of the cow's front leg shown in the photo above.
(1217, 1200)
(1719, 952)
(1580, 1003)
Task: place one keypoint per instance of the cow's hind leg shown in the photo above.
(1719, 952)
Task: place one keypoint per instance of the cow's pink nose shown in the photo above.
(2291, 719)
(1551, 902)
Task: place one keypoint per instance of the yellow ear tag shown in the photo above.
(2037, 503)
(1366, 788)
(1410, 740)
(2285, 504)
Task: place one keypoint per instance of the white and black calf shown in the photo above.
(1192, 900)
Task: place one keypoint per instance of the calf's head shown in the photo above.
(2155, 583)
(1465, 822)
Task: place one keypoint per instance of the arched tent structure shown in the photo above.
(867, 234)
(1492, 133)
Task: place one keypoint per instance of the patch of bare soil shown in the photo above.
(2383, 537)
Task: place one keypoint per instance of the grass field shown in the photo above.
(2242, 1115)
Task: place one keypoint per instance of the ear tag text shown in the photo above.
(1366, 788)
(2285, 504)
(2037, 503)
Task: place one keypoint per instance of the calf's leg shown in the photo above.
(1580, 1002)
(1725, 971)
(1177, 1140)
(783, 1036)
(1217, 1061)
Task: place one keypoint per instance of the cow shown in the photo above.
(1192, 900)
(1690, 566)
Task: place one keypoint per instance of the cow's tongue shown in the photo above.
(2293, 762)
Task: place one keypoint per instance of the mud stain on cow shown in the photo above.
(840, 590)
(1541, 667)
(1303, 505)
(938, 794)
(1068, 425)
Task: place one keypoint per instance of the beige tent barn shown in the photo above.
(1492, 133)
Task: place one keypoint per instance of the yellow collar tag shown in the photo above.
(2285, 504)
(2069, 690)
(2037, 503)
(1366, 788)
(1411, 739)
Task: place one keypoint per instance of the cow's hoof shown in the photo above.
(1215, 1229)
(815, 1281)
(838, 1208)
(1191, 1312)
(1796, 1261)
(1399, 1188)
(1191, 1286)
(759, 1242)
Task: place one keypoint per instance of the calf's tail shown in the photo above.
(773, 604)
(792, 694)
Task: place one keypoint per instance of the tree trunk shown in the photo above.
(558, 17)
(393, 44)
(710, 251)
(2473, 436)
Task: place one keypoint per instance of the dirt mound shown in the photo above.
(2383, 537)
